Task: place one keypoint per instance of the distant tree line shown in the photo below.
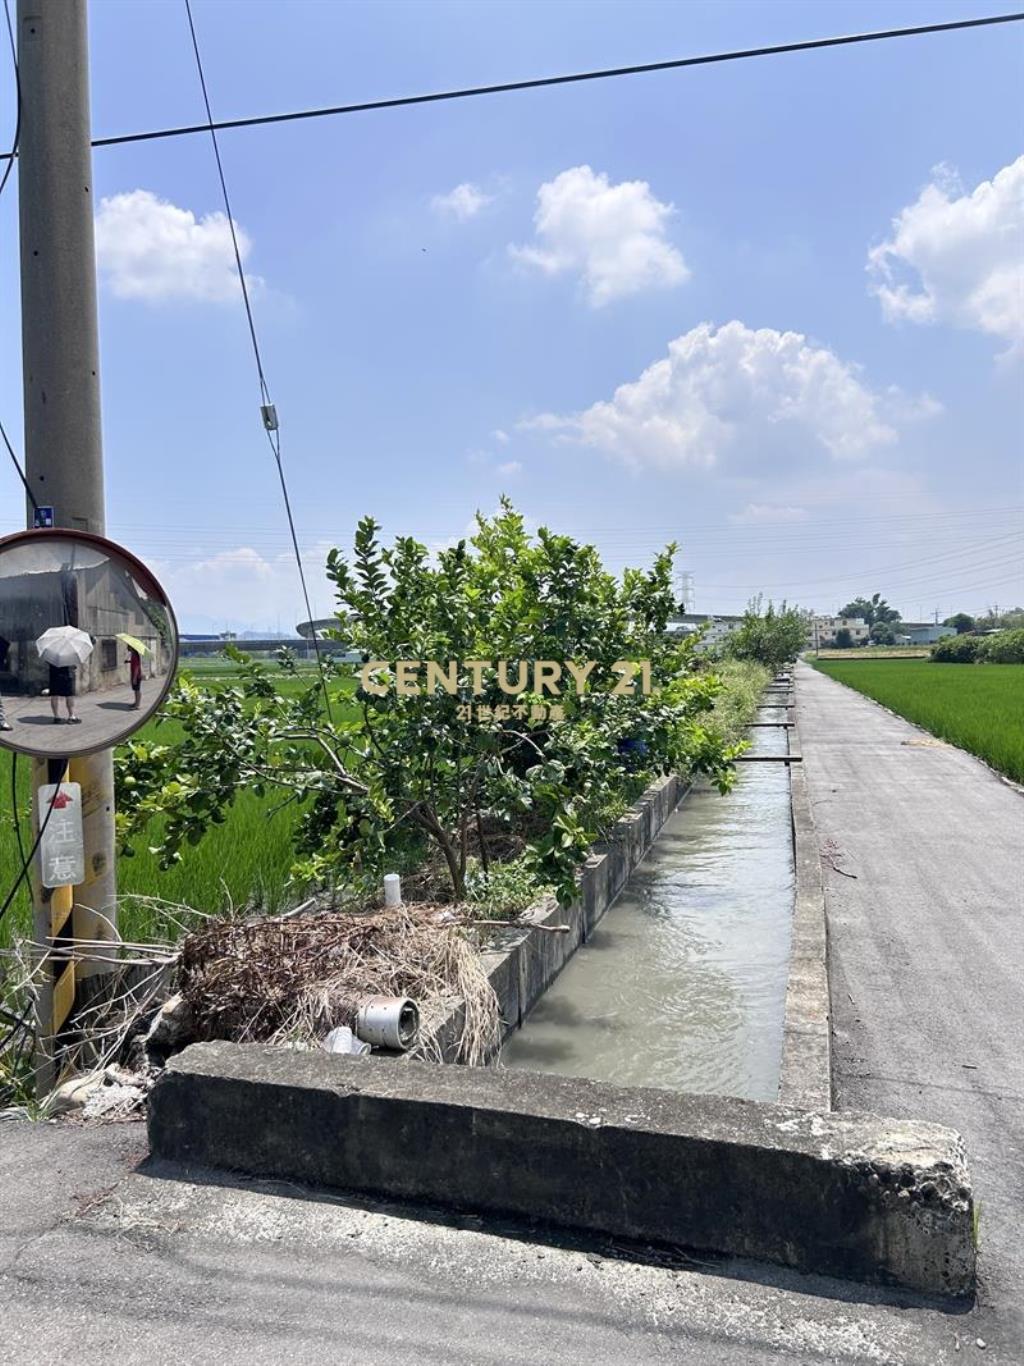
(1005, 647)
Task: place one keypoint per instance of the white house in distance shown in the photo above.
(825, 629)
(719, 627)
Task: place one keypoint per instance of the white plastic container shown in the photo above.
(388, 1022)
(392, 890)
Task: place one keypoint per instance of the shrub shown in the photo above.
(771, 637)
(503, 889)
(955, 650)
(1005, 648)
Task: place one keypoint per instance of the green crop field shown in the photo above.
(979, 707)
(246, 860)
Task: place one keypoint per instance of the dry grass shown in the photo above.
(296, 978)
(290, 978)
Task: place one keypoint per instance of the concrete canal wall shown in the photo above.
(523, 962)
(805, 1078)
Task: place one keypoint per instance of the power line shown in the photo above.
(268, 412)
(3, 184)
(17, 88)
(575, 78)
(17, 465)
(934, 577)
(26, 862)
(989, 543)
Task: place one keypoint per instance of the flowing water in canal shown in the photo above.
(683, 981)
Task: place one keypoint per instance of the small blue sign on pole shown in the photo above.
(43, 517)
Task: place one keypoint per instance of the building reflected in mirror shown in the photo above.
(88, 643)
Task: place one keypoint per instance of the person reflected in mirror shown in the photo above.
(5, 649)
(62, 684)
(135, 676)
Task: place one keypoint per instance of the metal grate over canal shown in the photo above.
(683, 982)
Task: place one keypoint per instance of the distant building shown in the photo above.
(922, 632)
(718, 627)
(94, 595)
(825, 630)
(321, 626)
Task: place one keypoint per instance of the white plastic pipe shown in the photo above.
(392, 890)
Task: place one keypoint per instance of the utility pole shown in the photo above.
(60, 356)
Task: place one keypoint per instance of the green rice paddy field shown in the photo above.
(245, 860)
(979, 707)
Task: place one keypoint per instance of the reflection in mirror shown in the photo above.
(88, 643)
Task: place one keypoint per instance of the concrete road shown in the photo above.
(926, 952)
(102, 716)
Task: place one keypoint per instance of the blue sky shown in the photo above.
(675, 306)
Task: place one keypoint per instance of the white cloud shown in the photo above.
(462, 203)
(510, 468)
(768, 514)
(241, 589)
(957, 258)
(734, 391)
(500, 436)
(148, 248)
(612, 236)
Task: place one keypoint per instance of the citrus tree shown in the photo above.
(418, 757)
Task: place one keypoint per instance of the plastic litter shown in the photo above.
(342, 1040)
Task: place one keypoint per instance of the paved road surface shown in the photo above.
(102, 1264)
(103, 715)
(103, 1261)
(926, 951)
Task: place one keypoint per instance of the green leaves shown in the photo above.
(398, 773)
(770, 636)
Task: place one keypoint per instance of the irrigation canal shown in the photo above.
(682, 984)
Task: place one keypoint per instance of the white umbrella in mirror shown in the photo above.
(65, 647)
(108, 658)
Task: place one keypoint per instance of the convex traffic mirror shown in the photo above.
(88, 643)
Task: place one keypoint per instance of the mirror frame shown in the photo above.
(148, 580)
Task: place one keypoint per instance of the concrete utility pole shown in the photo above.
(60, 352)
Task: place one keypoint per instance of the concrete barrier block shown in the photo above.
(543, 954)
(841, 1194)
